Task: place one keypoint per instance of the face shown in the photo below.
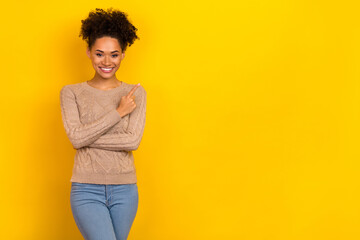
(106, 56)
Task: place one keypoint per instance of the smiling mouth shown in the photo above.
(106, 70)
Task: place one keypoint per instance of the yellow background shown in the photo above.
(252, 127)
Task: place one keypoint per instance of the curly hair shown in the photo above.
(110, 23)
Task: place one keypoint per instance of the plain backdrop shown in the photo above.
(252, 128)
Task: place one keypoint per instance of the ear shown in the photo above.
(88, 52)
(122, 55)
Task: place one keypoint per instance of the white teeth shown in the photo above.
(106, 69)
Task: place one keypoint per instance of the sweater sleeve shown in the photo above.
(79, 134)
(130, 139)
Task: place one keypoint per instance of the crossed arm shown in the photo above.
(95, 134)
(130, 139)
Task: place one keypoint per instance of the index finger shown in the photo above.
(133, 90)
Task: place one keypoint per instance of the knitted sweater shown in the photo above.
(103, 140)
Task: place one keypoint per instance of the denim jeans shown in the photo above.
(104, 212)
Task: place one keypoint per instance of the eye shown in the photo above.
(98, 54)
(115, 55)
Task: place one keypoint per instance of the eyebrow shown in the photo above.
(103, 51)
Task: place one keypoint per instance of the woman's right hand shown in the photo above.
(127, 103)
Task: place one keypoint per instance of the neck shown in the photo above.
(104, 81)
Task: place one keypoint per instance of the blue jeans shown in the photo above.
(104, 212)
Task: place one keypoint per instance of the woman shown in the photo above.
(104, 119)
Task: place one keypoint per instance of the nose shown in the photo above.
(106, 61)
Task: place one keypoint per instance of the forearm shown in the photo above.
(79, 134)
(127, 141)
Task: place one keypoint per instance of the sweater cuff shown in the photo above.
(115, 115)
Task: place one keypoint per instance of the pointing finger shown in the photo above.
(133, 89)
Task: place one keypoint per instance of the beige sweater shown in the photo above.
(103, 140)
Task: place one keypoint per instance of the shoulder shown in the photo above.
(74, 88)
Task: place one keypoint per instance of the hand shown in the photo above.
(127, 102)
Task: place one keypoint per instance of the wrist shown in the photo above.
(120, 112)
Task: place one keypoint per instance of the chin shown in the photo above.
(106, 76)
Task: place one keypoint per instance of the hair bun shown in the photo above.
(112, 23)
